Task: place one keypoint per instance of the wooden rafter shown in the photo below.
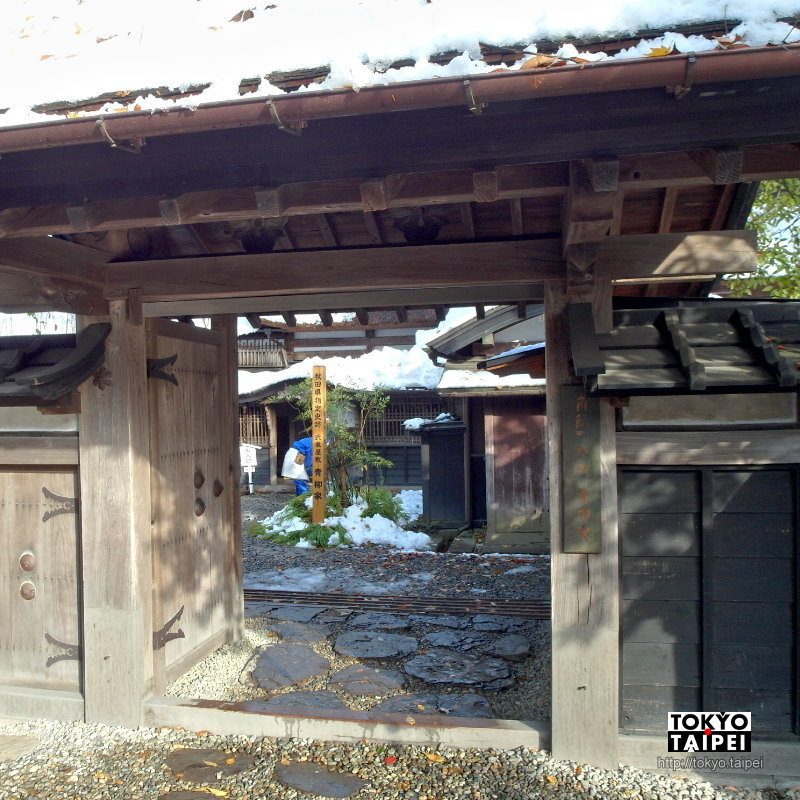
(638, 172)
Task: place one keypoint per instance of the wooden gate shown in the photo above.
(40, 638)
(196, 571)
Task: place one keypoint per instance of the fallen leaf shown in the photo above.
(211, 763)
(285, 761)
(435, 757)
(657, 52)
(551, 779)
(411, 721)
(230, 760)
(204, 733)
(215, 792)
(44, 58)
(390, 759)
(578, 769)
(538, 61)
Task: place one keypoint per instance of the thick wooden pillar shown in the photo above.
(229, 450)
(585, 587)
(115, 526)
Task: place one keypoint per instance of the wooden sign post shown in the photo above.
(580, 440)
(318, 473)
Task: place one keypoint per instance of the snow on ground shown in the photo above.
(77, 49)
(360, 530)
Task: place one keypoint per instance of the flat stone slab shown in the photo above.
(316, 779)
(379, 622)
(13, 747)
(512, 647)
(185, 794)
(298, 701)
(497, 623)
(442, 620)
(374, 644)
(203, 765)
(358, 679)
(472, 706)
(284, 665)
(460, 669)
(257, 609)
(457, 640)
(297, 613)
(301, 633)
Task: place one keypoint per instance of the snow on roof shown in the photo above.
(387, 367)
(467, 379)
(71, 50)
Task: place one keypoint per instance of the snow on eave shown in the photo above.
(198, 52)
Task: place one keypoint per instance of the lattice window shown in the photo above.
(262, 352)
(253, 427)
(389, 428)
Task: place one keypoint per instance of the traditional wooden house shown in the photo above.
(559, 185)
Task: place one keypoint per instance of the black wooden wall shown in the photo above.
(709, 563)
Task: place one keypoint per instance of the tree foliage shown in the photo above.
(776, 220)
(349, 457)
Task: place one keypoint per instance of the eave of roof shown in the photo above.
(678, 73)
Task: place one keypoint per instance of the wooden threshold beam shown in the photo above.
(306, 272)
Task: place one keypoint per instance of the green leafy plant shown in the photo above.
(775, 218)
(381, 502)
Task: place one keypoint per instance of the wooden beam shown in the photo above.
(326, 318)
(362, 315)
(587, 213)
(517, 227)
(289, 318)
(48, 257)
(669, 254)
(667, 209)
(723, 206)
(377, 195)
(402, 314)
(350, 301)
(584, 587)
(254, 320)
(723, 165)
(115, 531)
(326, 229)
(373, 229)
(303, 272)
(603, 174)
(317, 343)
(486, 186)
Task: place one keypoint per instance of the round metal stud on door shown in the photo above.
(27, 561)
(27, 590)
(199, 507)
(199, 479)
(218, 487)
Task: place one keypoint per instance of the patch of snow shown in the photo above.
(411, 503)
(465, 379)
(415, 423)
(385, 367)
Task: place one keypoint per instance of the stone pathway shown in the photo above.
(444, 664)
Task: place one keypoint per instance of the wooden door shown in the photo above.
(709, 594)
(40, 638)
(516, 472)
(194, 533)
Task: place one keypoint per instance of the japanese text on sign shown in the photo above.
(580, 441)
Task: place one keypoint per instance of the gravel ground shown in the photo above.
(58, 760)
